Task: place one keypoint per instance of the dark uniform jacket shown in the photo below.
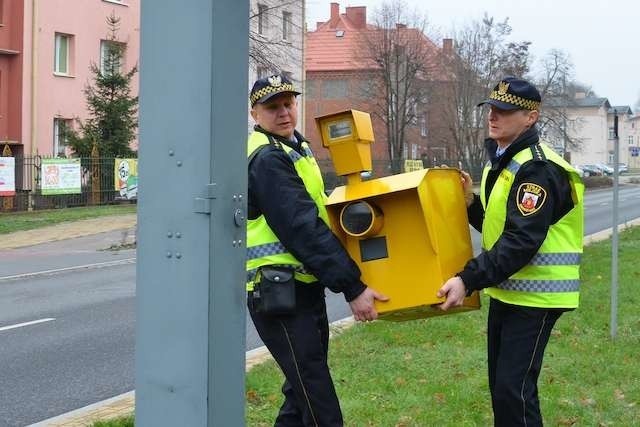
(522, 235)
(277, 192)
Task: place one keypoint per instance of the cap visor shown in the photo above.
(271, 95)
(499, 104)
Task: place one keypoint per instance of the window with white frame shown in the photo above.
(414, 151)
(286, 26)
(423, 125)
(263, 22)
(612, 133)
(630, 139)
(405, 151)
(62, 53)
(110, 57)
(59, 138)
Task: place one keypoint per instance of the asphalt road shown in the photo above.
(67, 336)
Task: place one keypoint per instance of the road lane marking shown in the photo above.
(68, 269)
(20, 325)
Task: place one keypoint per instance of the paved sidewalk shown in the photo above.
(67, 230)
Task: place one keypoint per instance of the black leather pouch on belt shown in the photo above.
(276, 292)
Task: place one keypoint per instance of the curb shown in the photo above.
(124, 404)
(67, 230)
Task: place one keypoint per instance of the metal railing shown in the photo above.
(97, 178)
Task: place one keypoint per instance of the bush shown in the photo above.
(597, 181)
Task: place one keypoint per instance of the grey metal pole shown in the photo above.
(190, 302)
(614, 235)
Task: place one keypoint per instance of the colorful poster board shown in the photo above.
(413, 165)
(126, 178)
(7, 176)
(60, 176)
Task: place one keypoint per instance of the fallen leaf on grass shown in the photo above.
(587, 401)
(568, 421)
(439, 397)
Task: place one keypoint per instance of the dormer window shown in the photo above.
(340, 33)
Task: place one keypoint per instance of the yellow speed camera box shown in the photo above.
(408, 233)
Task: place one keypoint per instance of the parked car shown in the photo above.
(591, 170)
(622, 168)
(580, 171)
(606, 170)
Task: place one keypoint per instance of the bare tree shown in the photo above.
(402, 59)
(268, 49)
(481, 57)
(558, 91)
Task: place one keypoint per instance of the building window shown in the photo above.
(62, 53)
(423, 125)
(110, 57)
(59, 137)
(630, 139)
(414, 151)
(263, 22)
(405, 151)
(612, 133)
(286, 25)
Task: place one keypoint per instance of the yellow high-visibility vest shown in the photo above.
(552, 278)
(263, 246)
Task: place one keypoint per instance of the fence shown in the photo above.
(98, 178)
(97, 184)
(382, 168)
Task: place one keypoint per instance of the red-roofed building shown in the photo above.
(340, 74)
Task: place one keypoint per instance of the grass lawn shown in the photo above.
(433, 372)
(119, 422)
(10, 222)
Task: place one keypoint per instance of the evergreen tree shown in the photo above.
(113, 120)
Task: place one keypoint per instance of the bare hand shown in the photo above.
(467, 185)
(363, 308)
(454, 290)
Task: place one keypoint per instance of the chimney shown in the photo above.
(447, 46)
(335, 10)
(358, 16)
(580, 95)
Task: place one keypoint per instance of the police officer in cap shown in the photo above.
(530, 214)
(287, 231)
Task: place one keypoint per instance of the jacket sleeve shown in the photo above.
(529, 216)
(276, 191)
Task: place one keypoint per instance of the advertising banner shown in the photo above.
(413, 165)
(7, 176)
(126, 178)
(60, 176)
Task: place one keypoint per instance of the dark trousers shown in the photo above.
(299, 344)
(516, 339)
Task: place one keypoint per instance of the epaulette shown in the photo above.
(537, 153)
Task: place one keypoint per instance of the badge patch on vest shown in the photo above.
(530, 198)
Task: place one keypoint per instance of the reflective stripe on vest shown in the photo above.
(263, 246)
(552, 277)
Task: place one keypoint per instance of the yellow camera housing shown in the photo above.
(408, 233)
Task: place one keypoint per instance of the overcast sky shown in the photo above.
(602, 38)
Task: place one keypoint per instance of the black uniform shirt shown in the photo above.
(277, 192)
(526, 225)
